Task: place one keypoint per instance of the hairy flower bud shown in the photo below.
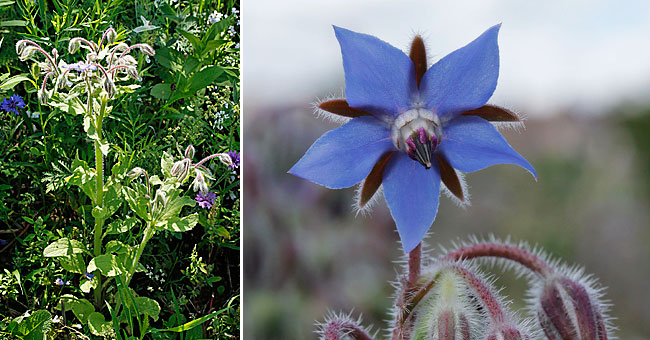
(43, 96)
(121, 47)
(339, 327)
(446, 312)
(181, 169)
(199, 185)
(506, 332)
(74, 45)
(91, 57)
(225, 159)
(127, 60)
(111, 35)
(567, 310)
(135, 173)
(61, 81)
(27, 53)
(189, 152)
(132, 72)
(159, 201)
(109, 87)
(147, 49)
(20, 46)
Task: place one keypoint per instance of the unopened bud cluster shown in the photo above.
(453, 300)
(184, 168)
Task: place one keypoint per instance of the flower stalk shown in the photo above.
(517, 254)
(148, 234)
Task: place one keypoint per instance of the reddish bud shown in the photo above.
(507, 332)
(567, 310)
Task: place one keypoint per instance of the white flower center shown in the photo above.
(417, 132)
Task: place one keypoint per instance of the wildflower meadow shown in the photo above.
(119, 212)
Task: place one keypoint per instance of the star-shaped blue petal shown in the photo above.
(410, 136)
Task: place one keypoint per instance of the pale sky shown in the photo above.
(585, 55)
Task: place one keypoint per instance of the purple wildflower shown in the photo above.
(412, 128)
(234, 156)
(206, 201)
(12, 103)
(88, 275)
(3, 242)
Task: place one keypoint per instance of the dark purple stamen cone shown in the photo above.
(567, 312)
(420, 147)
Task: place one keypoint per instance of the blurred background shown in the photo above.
(578, 70)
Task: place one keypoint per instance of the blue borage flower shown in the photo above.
(411, 127)
(60, 282)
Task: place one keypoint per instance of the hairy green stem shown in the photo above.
(148, 233)
(99, 222)
(99, 195)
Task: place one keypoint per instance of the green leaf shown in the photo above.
(217, 28)
(107, 264)
(223, 232)
(175, 204)
(81, 308)
(138, 203)
(166, 164)
(212, 46)
(181, 224)
(87, 285)
(117, 247)
(194, 323)
(120, 169)
(154, 180)
(98, 325)
(11, 82)
(164, 57)
(190, 65)
(112, 202)
(205, 77)
(128, 88)
(199, 80)
(104, 146)
(63, 247)
(35, 327)
(74, 263)
(197, 44)
(121, 226)
(13, 23)
(147, 306)
(83, 177)
(161, 91)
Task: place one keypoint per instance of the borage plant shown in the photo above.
(87, 88)
(407, 129)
